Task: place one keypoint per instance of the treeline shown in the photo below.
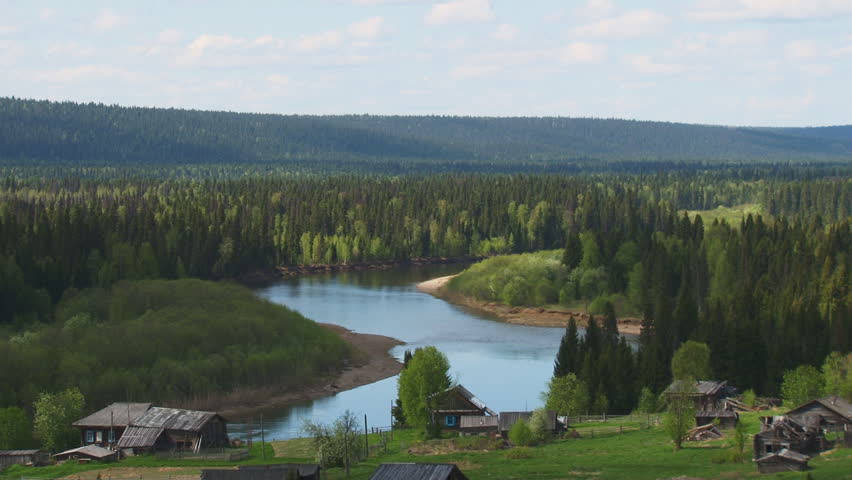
(63, 232)
(96, 134)
(164, 341)
(765, 297)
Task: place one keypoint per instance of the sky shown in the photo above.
(729, 62)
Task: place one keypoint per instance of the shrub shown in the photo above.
(521, 435)
(749, 397)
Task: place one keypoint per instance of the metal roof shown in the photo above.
(122, 415)
(139, 437)
(17, 453)
(417, 471)
(478, 421)
(89, 451)
(174, 419)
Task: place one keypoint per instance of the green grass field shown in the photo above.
(645, 453)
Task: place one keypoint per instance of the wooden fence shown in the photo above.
(222, 454)
(644, 419)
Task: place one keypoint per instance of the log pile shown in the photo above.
(704, 432)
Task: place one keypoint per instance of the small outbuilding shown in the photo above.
(21, 457)
(707, 394)
(832, 414)
(456, 403)
(783, 432)
(784, 460)
(478, 424)
(726, 418)
(88, 452)
(507, 419)
(418, 471)
(175, 429)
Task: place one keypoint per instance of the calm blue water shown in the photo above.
(507, 366)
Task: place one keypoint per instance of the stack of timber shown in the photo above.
(704, 432)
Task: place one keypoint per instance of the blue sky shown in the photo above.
(732, 62)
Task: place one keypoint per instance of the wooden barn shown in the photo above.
(106, 426)
(726, 418)
(21, 457)
(708, 395)
(784, 432)
(418, 471)
(831, 414)
(507, 419)
(175, 429)
(282, 471)
(456, 403)
(478, 424)
(88, 453)
(782, 461)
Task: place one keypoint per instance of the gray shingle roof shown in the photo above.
(703, 387)
(417, 471)
(17, 453)
(139, 437)
(122, 415)
(785, 453)
(89, 451)
(836, 404)
(173, 419)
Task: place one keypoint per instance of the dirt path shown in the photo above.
(372, 363)
(531, 316)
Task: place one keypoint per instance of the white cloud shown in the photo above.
(644, 64)
(782, 105)
(85, 72)
(277, 80)
(329, 39)
(705, 43)
(463, 72)
(505, 32)
(631, 24)
(367, 29)
(9, 52)
(70, 49)
(47, 13)
(107, 20)
(595, 9)
(8, 29)
(743, 38)
(169, 36)
(715, 10)
(816, 69)
(206, 42)
(801, 49)
(460, 11)
(582, 52)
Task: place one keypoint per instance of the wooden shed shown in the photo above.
(782, 432)
(478, 424)
(175, 429)
(507, 419)
(418, 471)
(726, 418)
(456, 403)
(21, 457)
(107, 425)
(832, 414)
(88, 452)
(782, 461)
(708, 394)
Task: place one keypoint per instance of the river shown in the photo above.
(505, 365)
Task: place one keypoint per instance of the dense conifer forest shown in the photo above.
(99, 202)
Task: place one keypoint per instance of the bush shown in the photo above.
(749, 397)
(648, 402)
(521, 435)
(538, 425)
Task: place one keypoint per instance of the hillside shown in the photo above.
(92, 134)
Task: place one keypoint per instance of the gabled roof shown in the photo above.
(470, 397)
(417, 471)
(702, 387)
(119, 414)
(139, 437)
(834, 403)
(786, 454)
(174, 419)
(17, 453)
(93, 451)
(717, 413)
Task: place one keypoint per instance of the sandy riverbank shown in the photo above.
(372, 362)
(532, 316)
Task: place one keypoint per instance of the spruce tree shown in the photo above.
(566, 357)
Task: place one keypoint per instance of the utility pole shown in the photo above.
(262, 438)
(366, 439)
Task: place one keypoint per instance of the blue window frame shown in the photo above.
(450, 421)
(111, 436)
(90, 436)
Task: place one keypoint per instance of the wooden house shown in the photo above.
(783, 432)
(726, 418)
(175, 429)
(708, 395)
(782, 461)
(106, 426)
(457, 402)
(88, 453)
(478, 424)
(21, 457)
(418, 471)
(507, 419)
(829, 414)
(282, 471)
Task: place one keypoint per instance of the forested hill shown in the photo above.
(91, 134)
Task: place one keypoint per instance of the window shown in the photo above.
(768, 448)
(90, 436)
(99, 436)
(450, 421)
(111, 436)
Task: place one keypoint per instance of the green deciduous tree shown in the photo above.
(691, 360)
(54, 413)
(837, 372)
(680, 416)
(521, 435)
(421, 384)
(800, 385)
(338, 444)
(538, 425)
(567, 395)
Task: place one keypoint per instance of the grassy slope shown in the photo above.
(642, 454)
